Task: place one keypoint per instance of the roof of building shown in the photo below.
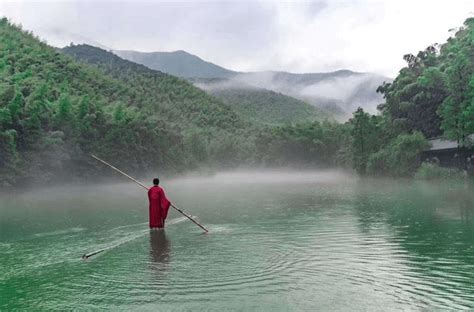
(439, 144)
(442, 144)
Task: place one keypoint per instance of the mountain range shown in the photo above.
(260, 106)
(338, 92)
(178, 63)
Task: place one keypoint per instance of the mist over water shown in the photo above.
(279, 240)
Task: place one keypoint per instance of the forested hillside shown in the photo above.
(267, 107)
(310, 144)
(174, 98)
(305, 143)
(54, 111)
(432, 96)
(434, 93)
(338, 93)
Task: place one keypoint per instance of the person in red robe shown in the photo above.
(159, 205)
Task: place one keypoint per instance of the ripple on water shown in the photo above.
(310, 258)
(60, 232)
(304, 257)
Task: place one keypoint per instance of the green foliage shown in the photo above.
(377, 148)
(400, 157)
(433, 94)
(456, 109)
(171, 98)
(196, 146)
(366, 137)
(429, 171)
(318, 143)
(63, 117)
(9, 157)
(418, 91)
(54, 111)
(268, 107)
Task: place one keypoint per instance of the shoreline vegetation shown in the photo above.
(429, 171)
(59, 106)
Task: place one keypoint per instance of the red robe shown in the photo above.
(159, 206)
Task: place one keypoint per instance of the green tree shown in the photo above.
(63, 118)
(417, 91)
(15, 106)
(8, 157)
(400, 157)
(455, 109)
(365, 139)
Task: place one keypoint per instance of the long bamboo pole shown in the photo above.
(145, 187)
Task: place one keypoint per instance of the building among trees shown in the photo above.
(447, 153)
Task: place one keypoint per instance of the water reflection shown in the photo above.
(429, 230)
(159, 250)
(401, 245)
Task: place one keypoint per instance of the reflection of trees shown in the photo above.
(431, 219)
(437, 224)
(368, 201)
(159, 249)
(432, 223)
(466, 205)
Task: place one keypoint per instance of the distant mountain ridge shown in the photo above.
(259, 106)
(339, 92)
(178, 63)
(59, 106)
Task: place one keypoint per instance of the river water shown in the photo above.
(278, 241)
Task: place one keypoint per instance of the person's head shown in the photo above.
(156, 181)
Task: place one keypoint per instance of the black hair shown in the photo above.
(156, 181)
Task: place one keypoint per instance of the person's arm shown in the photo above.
(165, 204)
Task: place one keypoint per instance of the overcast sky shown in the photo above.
(296, 36)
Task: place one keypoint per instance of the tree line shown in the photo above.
(433, 96)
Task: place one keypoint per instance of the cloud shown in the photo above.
(340, 88)
(342, 92)
(296, 36)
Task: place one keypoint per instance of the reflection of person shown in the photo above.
(159, 205)
(159, 247)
